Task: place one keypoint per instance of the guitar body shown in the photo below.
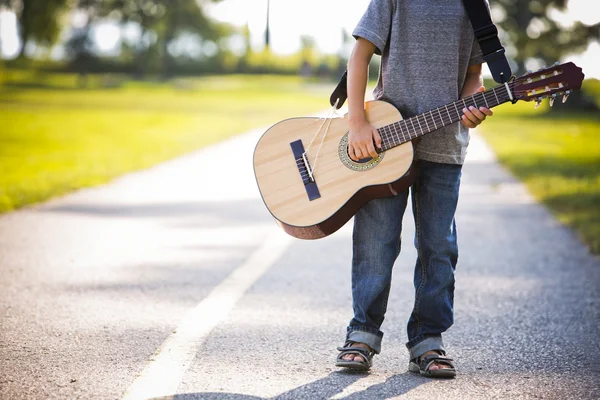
(343, 185)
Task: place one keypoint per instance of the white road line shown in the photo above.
(166, 369)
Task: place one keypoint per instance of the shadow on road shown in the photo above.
(221, 212)
(324, 388)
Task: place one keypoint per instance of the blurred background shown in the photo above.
(91, 89)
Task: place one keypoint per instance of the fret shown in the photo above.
(457, 112)
(413, 125)
(426, 123)
(388, 132)
(449, 116)
(472, 98)
(441, 118)
(402, 132)
(494, 91)
(463, 100)
(433, 119)
(484, 99)
(407, 130)
(396, 134)
(420, 127)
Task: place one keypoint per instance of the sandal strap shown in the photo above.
(367, 360)
(349, 349)
(354, 350)
(426, 361)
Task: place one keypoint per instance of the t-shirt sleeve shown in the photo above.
(375, 24)
(476, 54)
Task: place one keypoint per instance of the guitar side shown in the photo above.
(342, 190)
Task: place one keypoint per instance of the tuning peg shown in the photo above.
(556, 64)
(538, 102)
(566, 96)
(551, 99)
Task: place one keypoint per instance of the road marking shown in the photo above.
(165, 371)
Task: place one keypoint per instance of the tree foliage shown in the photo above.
(161, 22)
(38, 20)
(531, 32)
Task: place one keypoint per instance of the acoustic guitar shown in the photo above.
(311, 186)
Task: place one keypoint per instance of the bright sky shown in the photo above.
(321, 19)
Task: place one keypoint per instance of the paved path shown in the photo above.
(175, 283)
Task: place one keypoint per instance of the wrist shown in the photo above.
(356, 120)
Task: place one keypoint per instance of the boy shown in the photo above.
(429, 58)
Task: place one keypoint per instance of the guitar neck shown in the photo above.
(411, 128)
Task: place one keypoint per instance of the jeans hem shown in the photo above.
(425, 344)
(359, 335)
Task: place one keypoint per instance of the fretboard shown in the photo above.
(411, 128)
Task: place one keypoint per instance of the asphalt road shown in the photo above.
(174, 282)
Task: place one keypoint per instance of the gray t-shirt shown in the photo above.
(426, 47)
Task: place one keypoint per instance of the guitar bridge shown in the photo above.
(312, 190)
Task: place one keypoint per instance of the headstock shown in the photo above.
(548, 83)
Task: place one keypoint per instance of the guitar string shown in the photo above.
(501, 96)
(392, 132)
(327, 119)
(334, 161)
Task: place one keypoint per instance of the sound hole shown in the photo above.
(361, 165)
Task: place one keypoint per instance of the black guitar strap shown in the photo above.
(486, 34)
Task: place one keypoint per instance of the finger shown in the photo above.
(352, 153)
(477, 113)
(371, 149)
(466, 122)
(470, 116)
(358, 150)
(377, 138)
(486, 111)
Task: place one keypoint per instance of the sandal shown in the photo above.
(364, 365)
(422, 365)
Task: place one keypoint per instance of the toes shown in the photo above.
(435, 366)
(353, 357)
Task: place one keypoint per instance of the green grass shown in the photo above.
(55, 138)
(557, 155)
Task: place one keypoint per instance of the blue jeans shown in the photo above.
(376, 245)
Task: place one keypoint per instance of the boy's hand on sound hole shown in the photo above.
(363, 141)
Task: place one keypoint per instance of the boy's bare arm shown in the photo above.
(362, 133)
(473, 84)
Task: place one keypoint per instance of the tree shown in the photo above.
(531, 32)
(161, 23)
(38, 20)
(186, 16)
